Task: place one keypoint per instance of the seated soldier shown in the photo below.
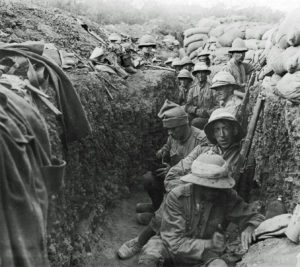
(200, 101)
(225, 85)
(182, 139)
(191, 229)
(185, 80)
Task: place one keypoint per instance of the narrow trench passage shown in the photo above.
(120, 225)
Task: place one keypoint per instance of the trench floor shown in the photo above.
(120, 226)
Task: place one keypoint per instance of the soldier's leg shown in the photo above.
(154, 253)
(155, 189)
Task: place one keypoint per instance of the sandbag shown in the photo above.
(193, 54)
(192, 31)
(218, 31)
(268, 33)
(229, 36)
(193, 46)
(274, 60)
(289, 87)
(181, 53)
(256, 32)
(221, 55)
(289, 30)
(194, 38)
(261, 44)
(291, 59)
(252, 44)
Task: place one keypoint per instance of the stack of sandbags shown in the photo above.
(283, 56)
(289, 30)
(194, 38)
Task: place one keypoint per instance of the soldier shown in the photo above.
(147, 46)
(126, 58)
(203, 57)
(185, 80)
(187, 63)
(235, 66)
(176, 64)
(224, 84)
(182, 140)
(168, 62)
(200, 100)
(191, 229)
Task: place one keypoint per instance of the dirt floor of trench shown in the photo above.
(119, 226)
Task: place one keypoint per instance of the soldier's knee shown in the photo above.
(217, 263)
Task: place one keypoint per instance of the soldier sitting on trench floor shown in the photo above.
(182, 139)
(225, 133)
(191, 229)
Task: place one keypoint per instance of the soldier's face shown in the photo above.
(188, 67)
(239, 56)
(178, 133)
(224, 132)
(184, 82)
(210, 194)
(223, 92)
(201, 76)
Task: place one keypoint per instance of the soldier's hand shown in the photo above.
(218, 242)
(162, 172)
(247, 237)
(160, 154)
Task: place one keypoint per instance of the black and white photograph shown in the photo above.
(162, 133)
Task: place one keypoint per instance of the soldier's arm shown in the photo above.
(241, 213)
(173, 232)
(181, 168)
(166, 148)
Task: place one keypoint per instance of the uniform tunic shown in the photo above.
(238, 71)
(180, 149)
(200, 101)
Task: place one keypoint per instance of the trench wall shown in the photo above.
(277, 150)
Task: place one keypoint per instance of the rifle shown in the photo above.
(247, 92)
(242, 182)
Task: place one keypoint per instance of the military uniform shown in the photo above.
(189, 222)
(180, 149)
(239, 71)
(200, 103)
